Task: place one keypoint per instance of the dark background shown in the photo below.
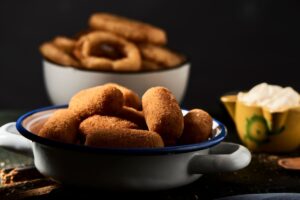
(232, 45)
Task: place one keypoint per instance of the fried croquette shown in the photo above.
(133, 115)
(98, 122)
(163, 114)
(197, 127)
(61, 126)
(102, 100)
(131, 99)
(124, 138)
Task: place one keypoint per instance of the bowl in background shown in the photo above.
(63, 82)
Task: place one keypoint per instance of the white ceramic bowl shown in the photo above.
(122, 168)
(63, 82)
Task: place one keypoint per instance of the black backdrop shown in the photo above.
(232, 44)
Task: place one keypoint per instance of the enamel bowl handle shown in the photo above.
(223, 157)
(11, 140)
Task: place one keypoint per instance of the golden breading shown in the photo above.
(163, 114)
(64, 43)
(133, 115)
(131, 99)
(91, 50)
(61, 126)
(160, 55)
(131, 29)
(102, 100)
(148, 65)
(197, 127)
(124, 138)
(98, 122)
(50, 51)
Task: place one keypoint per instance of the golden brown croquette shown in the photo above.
(103, 100)
(61, 126)
(197, 127)
(131, 99)
(98, 122)
(163, 114)
(124, 138)
(133, 115)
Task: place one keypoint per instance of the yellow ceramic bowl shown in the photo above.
(261, 130)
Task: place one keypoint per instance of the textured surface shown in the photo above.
(263, 175)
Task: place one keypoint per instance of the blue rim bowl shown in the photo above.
(216, 139)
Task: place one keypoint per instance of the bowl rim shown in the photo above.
(186, 63)
(132, 151)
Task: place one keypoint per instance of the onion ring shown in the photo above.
(89, 50)
(148, 65)
(52, 52)
(160, 55)
(130, 29)
(64, 43)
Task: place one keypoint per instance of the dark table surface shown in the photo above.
(263, 175)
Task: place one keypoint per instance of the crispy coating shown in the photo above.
(131, 29)
(61, 126)
(124, 138)
(91, 50)
(64, 43)
(57, 55)
(148, 65)
(197, 127)
(163, 114)
(133, 115)
(97, 122)
(131, 99)
(160, 55)
(102, 100)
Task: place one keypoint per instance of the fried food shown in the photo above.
(133, 115)
(52, 52)
(197, 127)
(160, 55)
(97, 122)
(163, 114)
(91, 50)
(148, 65)
(102, 100)
(61, 126)
(130, 29)
(124, 138)
(131, 99)
(64, 43)
(98, 117)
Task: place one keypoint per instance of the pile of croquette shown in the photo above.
(114, 116)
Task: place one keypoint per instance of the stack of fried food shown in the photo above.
(113, 43)
(111, 115)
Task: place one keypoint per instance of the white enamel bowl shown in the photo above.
(63, 82)
(142, 169)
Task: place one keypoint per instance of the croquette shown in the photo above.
(96, 122)
(61, 126)
(102, 100)
(133, 115)
(163, 114)
(124, 138)
(131, 99)
(197, 127)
